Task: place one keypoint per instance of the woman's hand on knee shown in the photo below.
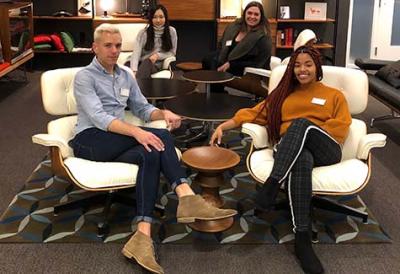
(224, 67)
(154, 57)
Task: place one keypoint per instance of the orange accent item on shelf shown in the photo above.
(4, 66)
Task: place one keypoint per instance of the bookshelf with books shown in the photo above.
(318, 16)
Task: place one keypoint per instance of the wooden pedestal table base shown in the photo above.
(211, 162)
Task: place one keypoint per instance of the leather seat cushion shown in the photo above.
(344, 177)
(97, 175)
(384, 91)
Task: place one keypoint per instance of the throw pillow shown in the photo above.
(56, 39)
(23, 41)
(391, 74)
(67, 40)
(41, 39)
(42, 46)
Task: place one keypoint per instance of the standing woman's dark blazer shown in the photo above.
(254, 50)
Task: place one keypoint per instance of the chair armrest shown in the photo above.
(257, 71)
(49, 140)
(157, 124)
(165, 74)
(371, 64)
(167, 62)
(258, 134)
(369, 142)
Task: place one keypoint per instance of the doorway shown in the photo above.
(385, 42)
(374, 27)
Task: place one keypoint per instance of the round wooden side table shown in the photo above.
(211, 162)
(189, 66)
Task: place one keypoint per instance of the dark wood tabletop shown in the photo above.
(214, 107)
(159, 88)
(208, 76)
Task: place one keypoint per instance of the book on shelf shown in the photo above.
(279, 36)
(288, 36)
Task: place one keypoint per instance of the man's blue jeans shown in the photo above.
(98, 145)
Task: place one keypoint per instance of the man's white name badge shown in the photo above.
(124, 92)
(228, 43)
(318, 101)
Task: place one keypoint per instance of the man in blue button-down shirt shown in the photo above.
(102, 91)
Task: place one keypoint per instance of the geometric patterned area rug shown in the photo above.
(30, 218)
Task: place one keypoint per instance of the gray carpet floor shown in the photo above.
(22, 115)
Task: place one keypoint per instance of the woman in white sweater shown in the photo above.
(154, 44)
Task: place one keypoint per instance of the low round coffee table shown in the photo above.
(162, 89)
(208, 77)
(211, 162)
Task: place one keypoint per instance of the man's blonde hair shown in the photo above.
(105, 28)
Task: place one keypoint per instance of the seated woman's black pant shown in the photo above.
(303, 147)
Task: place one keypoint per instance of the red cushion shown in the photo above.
(41, 39)
(56, 39)
(4, 66)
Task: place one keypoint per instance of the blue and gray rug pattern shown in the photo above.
(30, 217)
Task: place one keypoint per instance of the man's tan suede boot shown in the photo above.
(194, 207)
(140, 248)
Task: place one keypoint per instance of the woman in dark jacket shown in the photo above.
(245, 43)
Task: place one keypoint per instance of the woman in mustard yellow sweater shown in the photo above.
(308, 122)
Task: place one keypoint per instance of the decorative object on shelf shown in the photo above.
(315, 11)
(62, 13)
(106, 5)
(284, 12)
(147, 5)
(85, 8)
(230, 9)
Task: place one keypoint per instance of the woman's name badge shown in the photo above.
(124, 92)
(318, 101)
(228, 43)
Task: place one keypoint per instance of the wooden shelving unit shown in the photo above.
(324, 29)
(62, 18)
(298, 20)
